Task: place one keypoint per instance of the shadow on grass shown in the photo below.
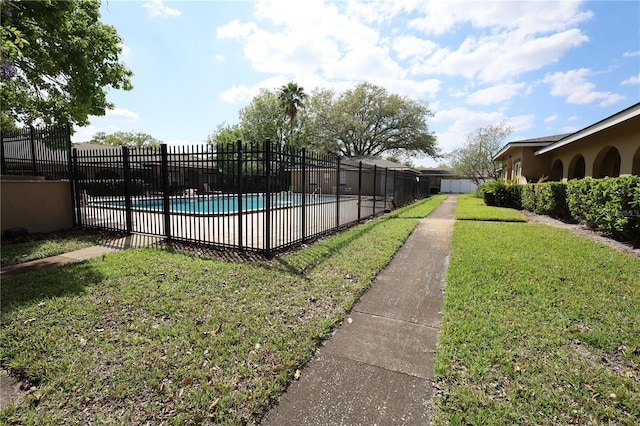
(320, 252)
(46, 283)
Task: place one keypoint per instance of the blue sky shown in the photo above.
(542, 67)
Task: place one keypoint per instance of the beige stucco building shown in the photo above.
(610, 147)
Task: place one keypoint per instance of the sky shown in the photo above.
(541, 67)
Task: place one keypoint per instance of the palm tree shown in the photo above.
(291, 98)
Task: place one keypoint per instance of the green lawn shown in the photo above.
(39, 247)
(470, 207)
(540, 327)
(152, 336)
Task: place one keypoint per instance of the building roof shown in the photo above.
(378, 162)
(535, 142)
(436, 171)
(615, 119)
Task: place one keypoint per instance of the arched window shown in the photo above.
(556, 171)
(577, 167)
(607, 163)
(635, 167)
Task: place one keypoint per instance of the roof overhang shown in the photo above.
(614, 120)
(511, 145)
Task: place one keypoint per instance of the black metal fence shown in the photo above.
(36, 151)
(241, 196)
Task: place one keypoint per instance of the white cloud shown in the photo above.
(237, 94)
(551, 118)
(236, 29)
(495, 94)
(122, 114)
(497, 57)
(316, 41)
(577, 90)
(464, 121)
(84, 134)
(158, 8)
(439, 17)
(631, 54)
(409, 46)
(634, 79)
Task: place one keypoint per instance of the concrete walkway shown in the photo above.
(377, 369)
(129, 241)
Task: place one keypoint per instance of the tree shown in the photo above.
(130, 139)
(262, 119)
(368, 121)
(58, 61)
(291, 98)
(475, 159)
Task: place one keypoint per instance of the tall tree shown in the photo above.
(475, 159)
(367, 120)
(58, 61)
(262, 119)
(291, 98)
(130, 139)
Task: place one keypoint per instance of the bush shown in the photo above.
(529, 197)
(110, 187)
(608, 204)
(552, 200)
(501, 193)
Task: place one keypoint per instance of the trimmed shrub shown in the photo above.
(111, 187)
(551, 200)
(608, 204)
(529, 197)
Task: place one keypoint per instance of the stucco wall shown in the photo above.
(37, 205)
(624, 137)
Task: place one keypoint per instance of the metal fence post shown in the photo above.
(386, 183)
(375, 188)
(166, 203)
(359, 191)
(338, 194)
(304, 194)
(76, 188)
(239, 190)
(3, 164)
(32, 143)
(267, 212)
(72, 183)
(127, 188)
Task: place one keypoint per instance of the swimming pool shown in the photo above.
(220, 204)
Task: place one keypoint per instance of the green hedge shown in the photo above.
(111, 187)
(548, 198)
(608, 204)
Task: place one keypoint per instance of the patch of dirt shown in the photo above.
(12, 390)
(584, 231)
(609, 361)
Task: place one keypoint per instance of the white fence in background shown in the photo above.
(459, 186)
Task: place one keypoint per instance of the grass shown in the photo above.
(39, 246)
(155, 336)
(540, 327)
(470, 207)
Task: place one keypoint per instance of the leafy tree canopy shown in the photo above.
(367, 120)
(58, 61)
(130, 139)
(363, 121)
(475, 159)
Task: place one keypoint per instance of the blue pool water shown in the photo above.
(219, 204)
